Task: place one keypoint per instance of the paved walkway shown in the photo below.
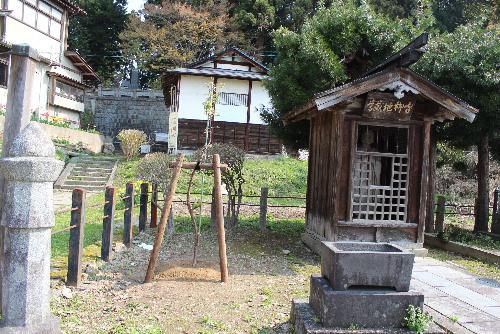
(471, 302)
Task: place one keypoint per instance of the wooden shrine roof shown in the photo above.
(389, 78)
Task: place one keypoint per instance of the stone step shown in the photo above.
(87, 178)
(92, 169)
(85, 182)
(88, 188)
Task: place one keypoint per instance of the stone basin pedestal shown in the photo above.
(363, 285)
(357, 264)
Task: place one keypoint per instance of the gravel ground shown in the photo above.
(266, 272)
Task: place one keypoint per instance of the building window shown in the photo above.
(39, 15)
(69, 92)
(233, 99)
(4, 71)
(380, 174)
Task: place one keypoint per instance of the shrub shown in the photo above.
(155, 168)
(131, 141)
(416, 319)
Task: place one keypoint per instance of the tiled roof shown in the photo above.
(218, 72)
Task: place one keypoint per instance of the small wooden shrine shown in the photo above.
(369, 153)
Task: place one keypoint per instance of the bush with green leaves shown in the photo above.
(131, 141)
(155, 168)
(232, 177)
(416, 319)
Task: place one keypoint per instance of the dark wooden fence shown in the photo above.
(253, 138)
(150, 197)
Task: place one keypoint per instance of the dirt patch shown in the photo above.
(182, 270)
(264, 277)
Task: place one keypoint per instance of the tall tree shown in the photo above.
(465, 62)
(96, 35)
(175, 33)
(338, 43)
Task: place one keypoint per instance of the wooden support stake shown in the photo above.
(213, 209)
(128, 215)
(263, 208)
(169, 197)
(143, 207)
(495, 216)
(219, 217)
(440, 214)
(154, 208)
(75, 252)
(107, 223)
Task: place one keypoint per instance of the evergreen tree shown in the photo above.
(338, 43)
(465, 62)
(95, 36)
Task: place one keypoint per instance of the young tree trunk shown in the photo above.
(483, 190)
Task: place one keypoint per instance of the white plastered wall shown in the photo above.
(194, 91)
(20, 33)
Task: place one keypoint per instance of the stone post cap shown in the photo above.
(31, 157)
(25, 50)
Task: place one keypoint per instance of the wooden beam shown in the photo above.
(424, 187)
(195, 165)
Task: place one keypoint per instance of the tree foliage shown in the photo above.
(338, 43)
(95, 36)
(175, 33)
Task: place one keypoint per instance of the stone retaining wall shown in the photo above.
(114, 113)
(92, 141)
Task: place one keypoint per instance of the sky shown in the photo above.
(135, 5)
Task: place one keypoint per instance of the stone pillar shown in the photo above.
(27, 218)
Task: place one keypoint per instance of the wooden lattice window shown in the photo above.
(380, 174)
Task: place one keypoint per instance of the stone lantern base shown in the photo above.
(49, 327)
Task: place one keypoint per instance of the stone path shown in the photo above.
(471, 303)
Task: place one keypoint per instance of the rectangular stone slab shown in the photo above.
(366, 308)
(368, 264)
(304, 321)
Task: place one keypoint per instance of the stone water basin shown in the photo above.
(348, 265)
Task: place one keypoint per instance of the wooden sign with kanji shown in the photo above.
(387, 106)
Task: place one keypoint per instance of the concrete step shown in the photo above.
(85, 182)
(88, 173)
(88, 188)
(92, 169)
(87, 178)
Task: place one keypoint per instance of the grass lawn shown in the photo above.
(283, 176)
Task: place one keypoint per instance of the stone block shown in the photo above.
(368, 264)
(375, 308)
(304, 321)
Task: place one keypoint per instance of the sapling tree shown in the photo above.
(131, 141)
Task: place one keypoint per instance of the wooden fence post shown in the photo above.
(440, 214)
(154, 209)
(76, 235)
(128, 215)
(107, 223)
(495, 216)
(143, 211)
(263, 208)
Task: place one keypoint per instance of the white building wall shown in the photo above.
(229, 113)
(260, 98)
(20, 33)
(192, 93)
